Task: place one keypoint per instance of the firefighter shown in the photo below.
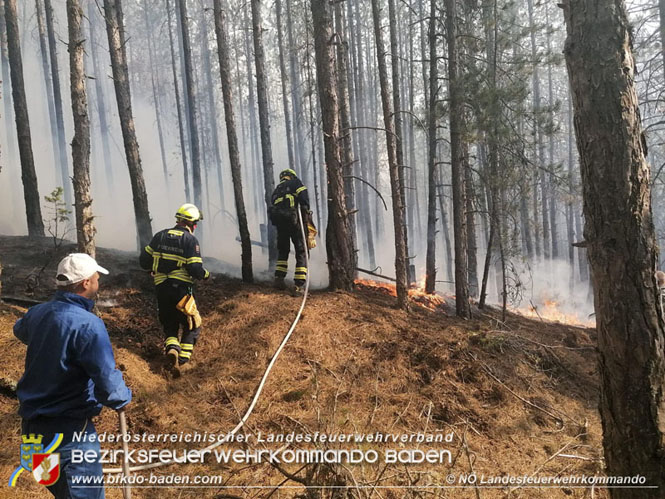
(290, 195)
(174, 256)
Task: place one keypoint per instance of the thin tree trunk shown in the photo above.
(57, 94)
(155, 92)
(264, 123)
(622, 246)
(551, 187)
(116, 36)
(570, 212)
(393, 165)
(85, 226)
(47, 80)
(191, 101)
(6, 86)
(283, 81)
(296, 103)
(457, 155)
(212, 115)
(397, 120)
(28, 175)
(234, 155)
(430, 260)
(257, 177)
(104, 129)
(181, 127)
(345, 124)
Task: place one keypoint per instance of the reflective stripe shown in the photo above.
(282, 261)
(176, 232)
(171, 341)
(185, 355)
(300, 189)
(170, 256)
(302, 269)
(187, 346)
(292, 200)
(279, 200)
(194, 259)
(206, 275)
(180, 275)
(149, 250)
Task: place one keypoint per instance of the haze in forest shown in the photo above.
(532, 279)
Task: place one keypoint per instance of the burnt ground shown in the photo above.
(513, 394)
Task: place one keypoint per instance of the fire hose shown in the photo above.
(126, 469)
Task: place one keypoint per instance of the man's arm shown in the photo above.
(194, 263)
(96, 357)
(21, 330)
(145, 258)
(303, 197)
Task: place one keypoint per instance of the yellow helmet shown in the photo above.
(189, 213)
(287, 173)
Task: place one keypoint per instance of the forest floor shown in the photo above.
(514, 398)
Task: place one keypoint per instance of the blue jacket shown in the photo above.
(69, 367)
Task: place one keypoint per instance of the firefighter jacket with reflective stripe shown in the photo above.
(290, 193)
(69, 366)
(174, 254)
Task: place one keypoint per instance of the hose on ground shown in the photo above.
(261, 384)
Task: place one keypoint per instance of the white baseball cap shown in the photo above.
(76, 268)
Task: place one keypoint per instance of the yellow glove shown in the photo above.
(187, 305)
(311, 235)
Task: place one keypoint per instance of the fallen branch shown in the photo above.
(364, 271)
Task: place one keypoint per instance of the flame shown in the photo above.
(434, 302)
(550, 310)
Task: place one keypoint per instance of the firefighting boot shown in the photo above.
(279, 282)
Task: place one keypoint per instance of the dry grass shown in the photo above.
(513, 394)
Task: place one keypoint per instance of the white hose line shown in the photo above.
(263, 379)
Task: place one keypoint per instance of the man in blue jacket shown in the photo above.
(69, 372)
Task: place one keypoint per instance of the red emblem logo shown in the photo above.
(46, 468)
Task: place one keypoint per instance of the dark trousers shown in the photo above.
(287, 233)
(69, 485)
(169, 293)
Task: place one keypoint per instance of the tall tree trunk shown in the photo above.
(296, 103)
(85, 226)
(155, 92)
(104, 129)
(397, 121)
(345, 124)
(551, 185)
(621, 243)
(361, 116)
(430, 260)
(284, 80)
(257, 176)
(264, 123)
(191, 101)
(41, 26)
(28, 175)
(57, 94)
(181, 126)
(339, 246)
(117, 43)
(6, 85)
(212, 114)
(570, 212)
(234, 155)
(393, 165)
(472, 246)
(457, 156)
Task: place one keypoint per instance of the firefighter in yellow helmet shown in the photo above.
(290, 195)
(174, 257)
